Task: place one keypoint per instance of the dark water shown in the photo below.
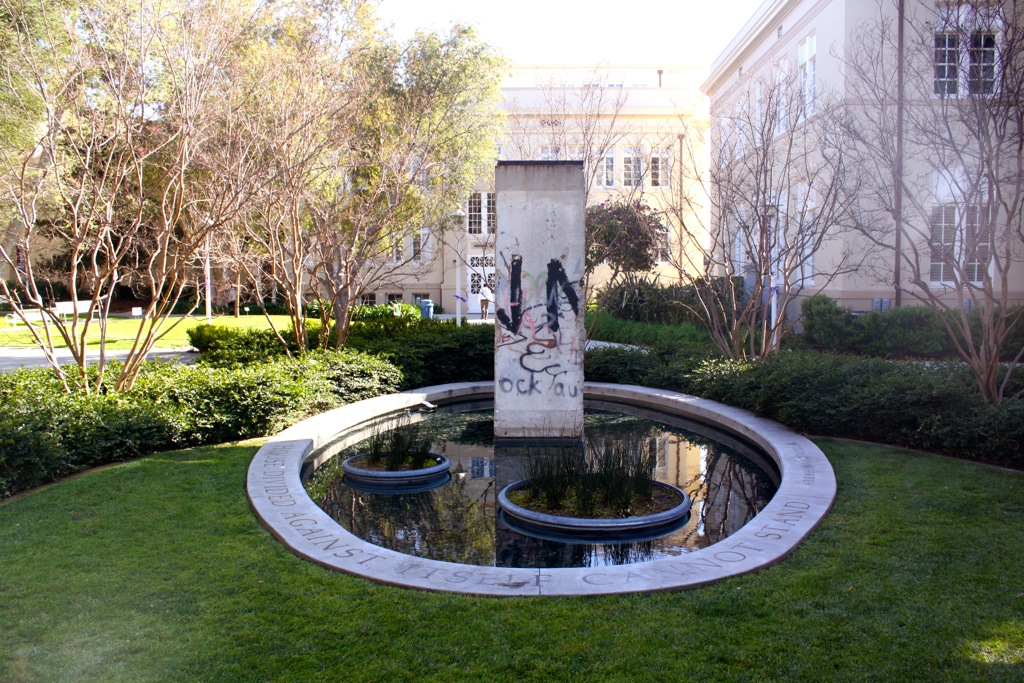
(728, 481)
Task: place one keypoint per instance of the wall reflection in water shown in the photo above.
(458, 521)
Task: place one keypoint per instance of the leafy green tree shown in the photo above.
(624, 235)
(424, 130)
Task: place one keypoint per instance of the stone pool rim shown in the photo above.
(806, 493)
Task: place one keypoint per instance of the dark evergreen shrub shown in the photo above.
(46, 434)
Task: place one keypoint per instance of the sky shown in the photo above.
(623, 33)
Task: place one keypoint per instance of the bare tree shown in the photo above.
(939, 140)
(777, 197)
(292, 107)
(104, 195)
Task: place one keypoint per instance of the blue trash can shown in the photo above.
(426, 308)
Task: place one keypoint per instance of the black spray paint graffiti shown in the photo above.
(533, 332)
(515, 281)
(556, 279)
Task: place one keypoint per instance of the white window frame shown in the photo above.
(663, 251)
(550, 152)
(988, 68)
(481, 214)
(660, 170)
(946, 64)
(606, 169)
(740, 254)
(959, 62)
(808, 226)
(954, 244)
(421, 245)
(807, 67)
(632, 167)
(782, 103)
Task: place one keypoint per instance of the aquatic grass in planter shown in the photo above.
(605, 478)
(405, 447)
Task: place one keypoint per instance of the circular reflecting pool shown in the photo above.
(728, 481)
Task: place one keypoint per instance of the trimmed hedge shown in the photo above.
(930, 406)
(429, 351)
(905, 332)
(46, 434)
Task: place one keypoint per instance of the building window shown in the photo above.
(606, 170)
(952, 249)
(421, 245)
(394, 298)
(663, 250)
(550, 152)
(660, 165)
(783, 92)
(808, 235)
(368, 300)
(977, 248)
(809, 244)
(807, 65)
(966, 49)
(419, 296)
(947, 60)
(982, 76)
(480, 468)
(632, 168)
(397, 250)
(483, 211)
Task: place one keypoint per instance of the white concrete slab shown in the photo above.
(805, 495)
(539, 301)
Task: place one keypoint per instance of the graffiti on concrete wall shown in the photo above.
(537, 318)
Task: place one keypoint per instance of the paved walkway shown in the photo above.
(21, 357)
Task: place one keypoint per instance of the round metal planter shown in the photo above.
(594, 529)
(399, 481)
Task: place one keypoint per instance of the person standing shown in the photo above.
(485, 301)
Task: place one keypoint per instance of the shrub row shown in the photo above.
(431, 351)
(46, 434)
(644, 299)
(602, 326)
(427, 352)
(905, 332)
(930, 406)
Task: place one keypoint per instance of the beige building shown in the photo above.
(624, 123)
(911, 96)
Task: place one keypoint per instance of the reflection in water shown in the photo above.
(457, 522)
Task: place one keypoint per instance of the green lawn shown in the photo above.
(156, 570)
(121, 331)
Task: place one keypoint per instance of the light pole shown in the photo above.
(209, 285)
(460, 228)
